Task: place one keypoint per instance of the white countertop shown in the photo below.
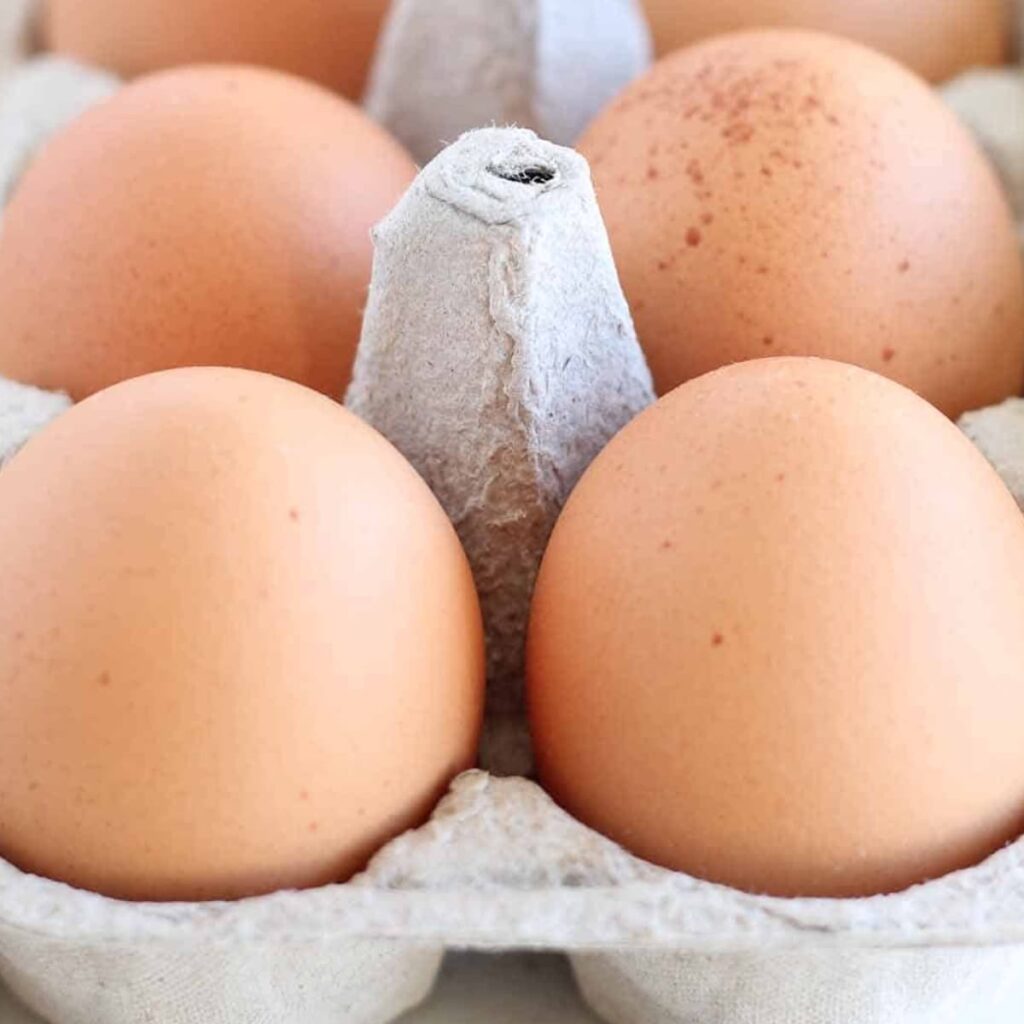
(473, 989)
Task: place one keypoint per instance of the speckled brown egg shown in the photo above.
(936, 38)
(776, 640)
(786, 193)
(206, 216)
(329, 41)
(240, 645)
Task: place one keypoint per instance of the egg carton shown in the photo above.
(498, 353)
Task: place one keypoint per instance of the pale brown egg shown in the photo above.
(936, 38)
(329, 41)
(776, 641)
(207, 216)
(786, 193)
(240, 645)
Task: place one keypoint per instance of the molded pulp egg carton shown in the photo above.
(499, 355)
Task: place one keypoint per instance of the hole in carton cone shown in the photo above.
(532, 174)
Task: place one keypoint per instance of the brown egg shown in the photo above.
(936, 38)
(776, 641)
(240, 646)
(209, 216)
(329, 41)
(785, 193)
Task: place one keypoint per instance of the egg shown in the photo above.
(936, 38)
(329, 41)
(776, 639)
(206, 216)
(240, 645)
(787, 193)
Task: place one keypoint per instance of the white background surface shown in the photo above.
(473, 989)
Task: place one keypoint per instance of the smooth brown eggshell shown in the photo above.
(207, 216)
(240, 645)
(936, 38)
(776, 641)
(329, 41)
(786, 193)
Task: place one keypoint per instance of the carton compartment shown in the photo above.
(517, 245)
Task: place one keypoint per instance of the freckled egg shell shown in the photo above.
(240, 645)
(776, 641)
(329, 41)
(206, 216)
(787, 193)
(936, 38)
